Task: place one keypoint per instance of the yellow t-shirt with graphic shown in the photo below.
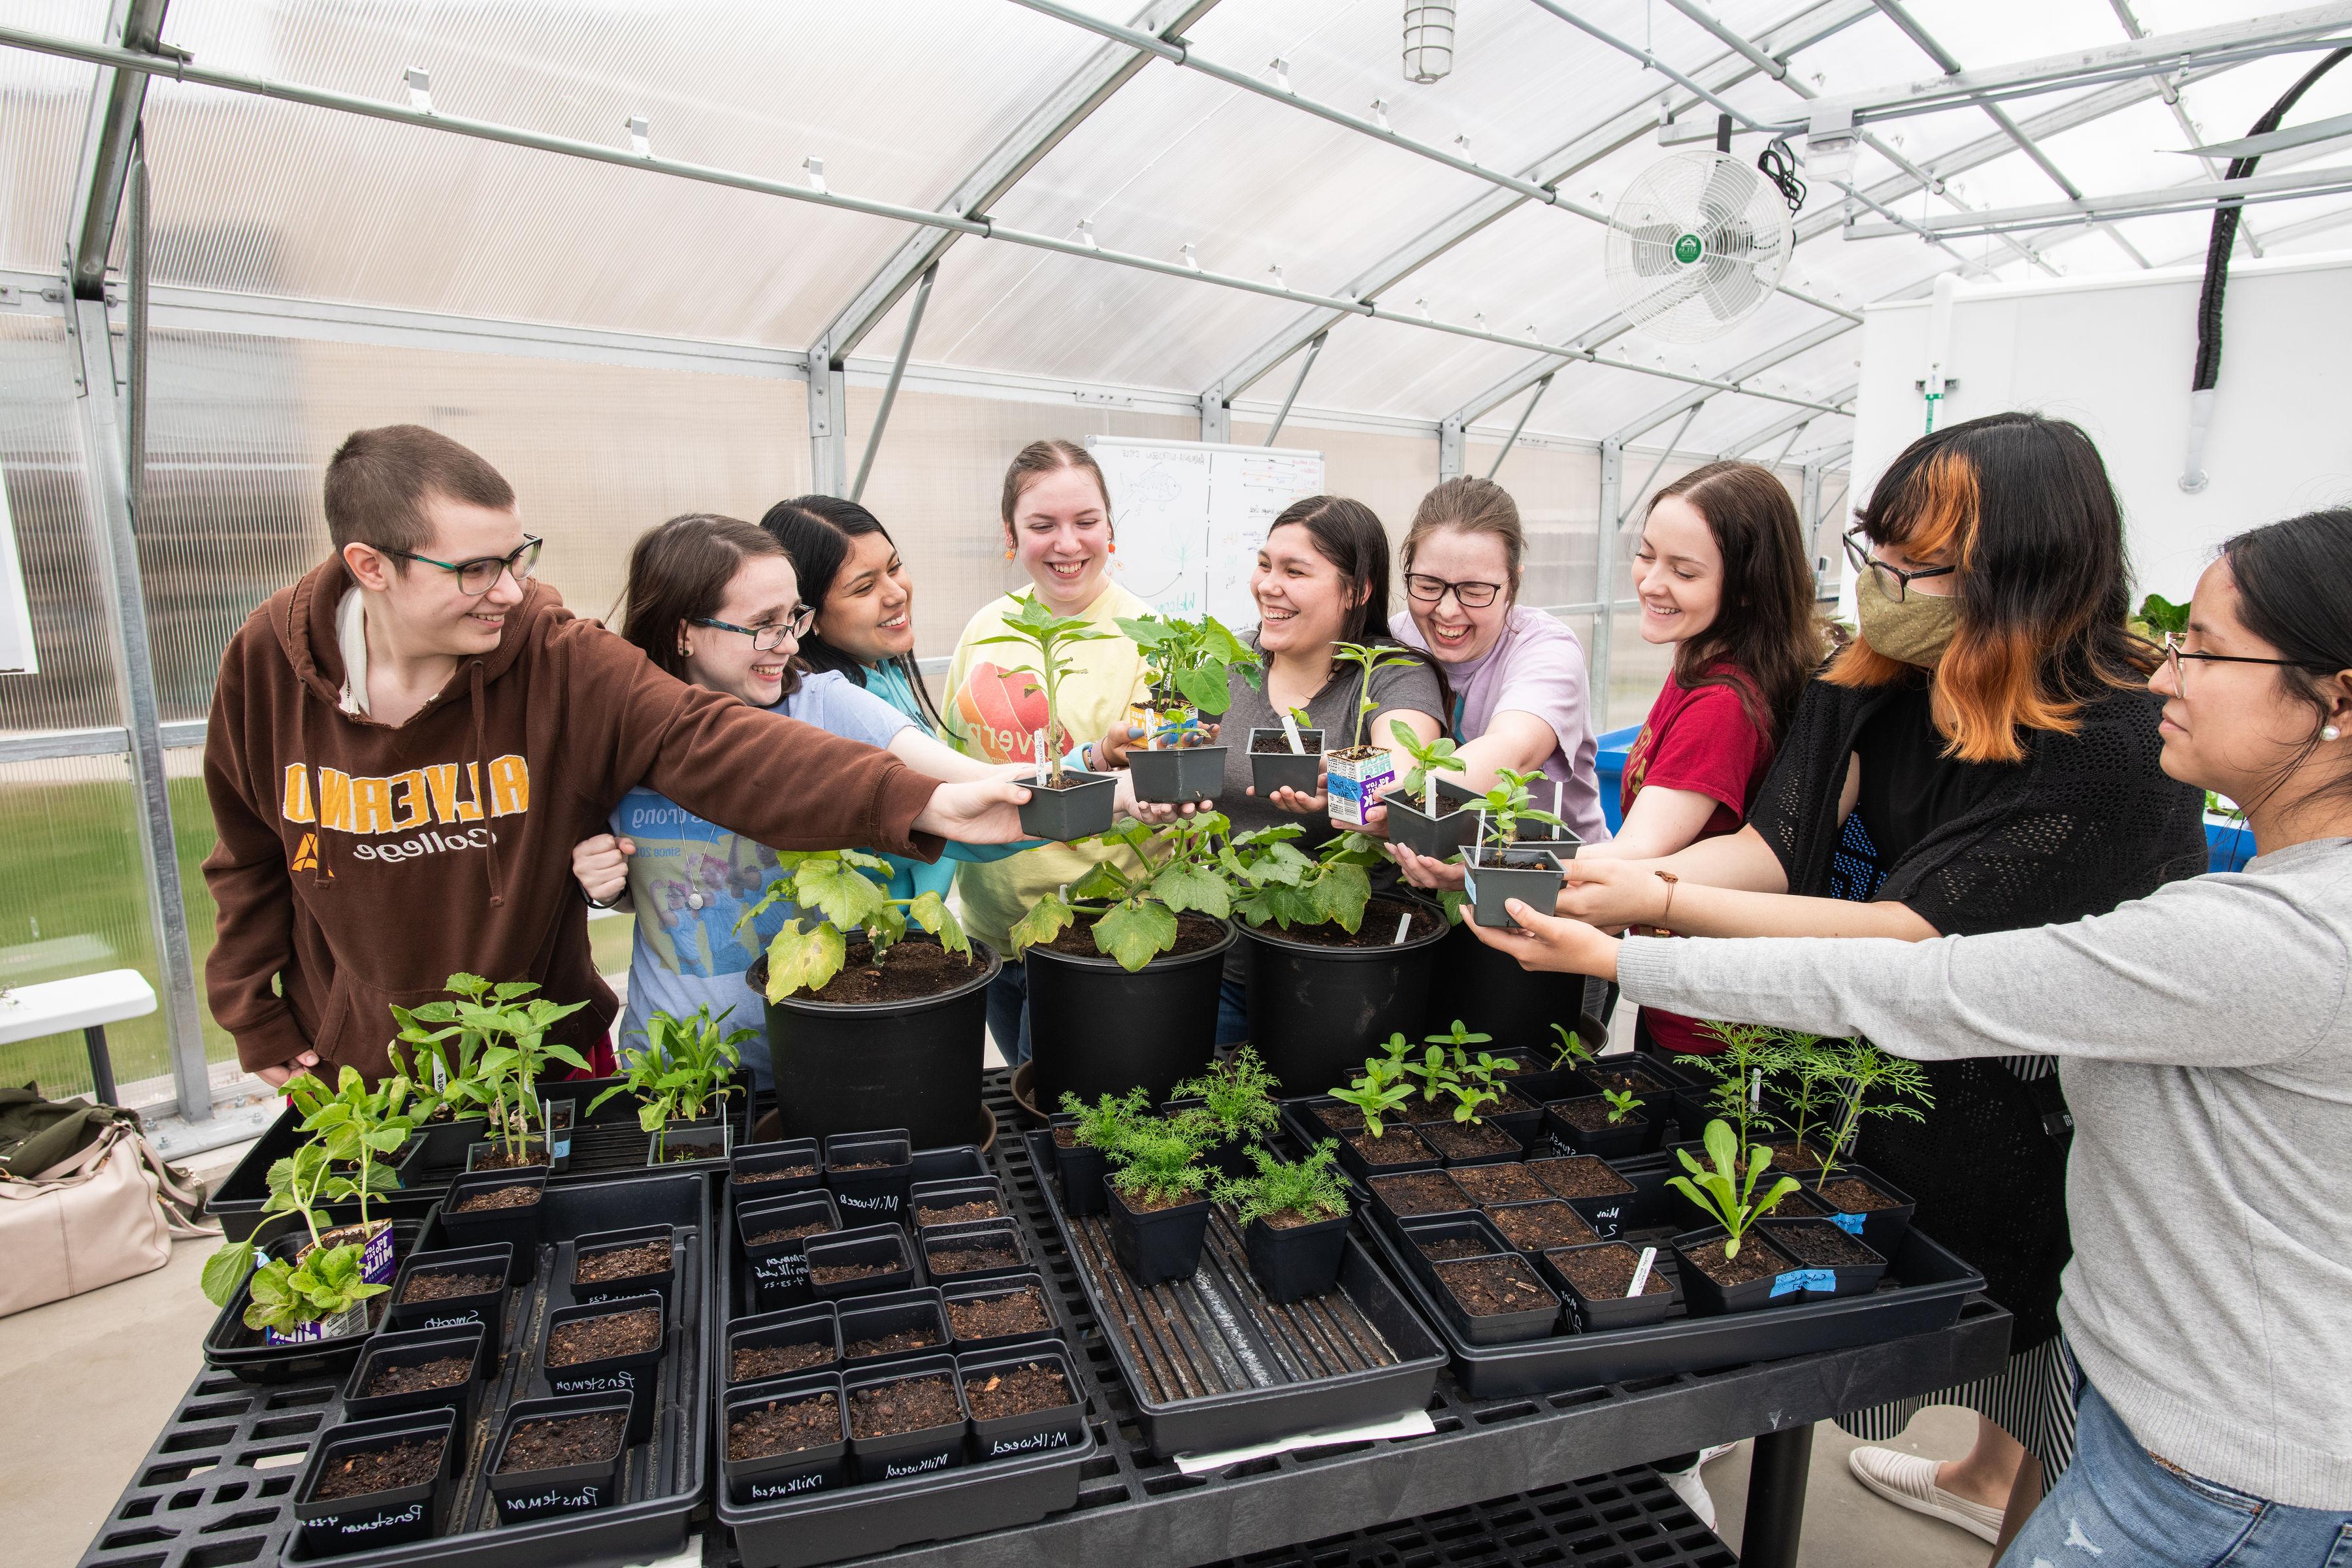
(990, 713)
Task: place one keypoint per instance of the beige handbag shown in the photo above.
(105, 1214)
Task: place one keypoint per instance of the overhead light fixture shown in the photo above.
(641, 136)
(816, 167)
(420, 88)
(1829, 147)
(1428, 40)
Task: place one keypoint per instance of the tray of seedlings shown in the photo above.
(1240, 1309)
(893, 1367)
(531, 1390)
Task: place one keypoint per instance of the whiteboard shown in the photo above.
(1191, 516)
(2114, 355)
(16, 655)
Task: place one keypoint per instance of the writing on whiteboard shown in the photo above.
(1192, 515)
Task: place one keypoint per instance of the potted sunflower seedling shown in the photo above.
(1358, 774)
(1500, 868)
(1066, 803)
(1186, 666)
(1293, 1221)
(1421, 816)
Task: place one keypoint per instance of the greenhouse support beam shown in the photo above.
(2289, 185)
(1604, 577)
(1314, 347)
(1512, 439)
(1794, 423)
(1763, 362)
(898, 373)
(1216, 421)
(1659, 466)
(1451, 448)
(114, 109)
(828, 428)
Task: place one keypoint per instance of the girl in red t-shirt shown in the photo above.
(1720, 572)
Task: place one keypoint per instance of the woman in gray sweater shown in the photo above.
(2205, 1040)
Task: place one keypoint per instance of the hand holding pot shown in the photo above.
(1614, 893)
(1423, 871)
(1550, 943)
(1298, 802)
(983, 810)
(1112, 748)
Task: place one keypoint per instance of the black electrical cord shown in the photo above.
(1778, 164)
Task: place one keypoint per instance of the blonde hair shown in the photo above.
(1472, 506)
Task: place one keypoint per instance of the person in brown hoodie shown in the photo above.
(405, 744)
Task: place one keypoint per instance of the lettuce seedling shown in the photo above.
(1725, 1186)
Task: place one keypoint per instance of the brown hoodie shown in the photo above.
(361, 864)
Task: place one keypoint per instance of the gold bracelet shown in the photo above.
(1667, 915)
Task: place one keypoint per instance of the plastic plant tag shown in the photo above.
(1642, 1271)
(1429, 793)
(1290, 734)
(1756, 1089)
(1799, 1280)
(1151, 729)
(1404, 927)
(1037, 748)
(1849, 1223)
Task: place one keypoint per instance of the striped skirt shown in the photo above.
(2031, 1399)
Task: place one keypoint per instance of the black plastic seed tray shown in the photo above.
(217, 1488)
(1216, 1365)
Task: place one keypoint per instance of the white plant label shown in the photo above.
(1151, 729)
(1642, 1271)
(1429, 793)
(1044, 763)
(1756, 1089)
(1290, 732)
(1404, 927)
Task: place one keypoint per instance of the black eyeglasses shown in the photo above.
(1892, 581)
(771, 637)
(1433, 590)
(479, 576)
(2174, 656)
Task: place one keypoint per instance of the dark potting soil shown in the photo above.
(678, 1152)
(891, 1344)
(1851, 1194)
(500, 1159)
(1795, 1157)
(1627, 1080)
(1424, 1192)
(1818, 1244)
(1141, 1203)
(990, 1317)
(754, 1362)
(783, 1427)
(836, 1273)
(964, 1259)
(1398, 1146)
(1193, 933)
(1340, 1117)
(869, 1166)
(1377, 929)
(482, 1200)
(1756, 1261)
(408, 1462)
(1510, 1183)
(1291, 1219)
(1511, 860)
(1066, 1137)
(1277, 743)
(602, 1337)
(1488, 1287)
(956, 1213)
(1535, 1227)
(1467, 1140)
(1452, 1247)
(558, 1441)
(1512, 1103)
(909, 970)
(1579, 1176)
(789, 1233)
(441, 1373)
(779, 1173)
(1017, 1390)
(622, 1263)
(1352, 754)
(909, 1405)
(1600, 1273)
(1592, 1115)
(442, 1287)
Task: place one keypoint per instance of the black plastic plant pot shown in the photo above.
(487, 1307)
(1284, 768)
(1781, 1284)
(1492, 876)
(1194, 774)
(808, 1335)
(516, 1225)
(1080, 1168)
(580, 1487)
(1515, 1114)
(533, 1144)
(1441, 837)
(604, 1242)
(1413, 1194)
(1167, 1014)
(389, 1356)
(896, 1326)
(631, 1376)
(914, 1064)
(875, 1256)
(979, 1250)
(937, 1202)
(394, 1516)
(1400, 1147)
(261, 1357)
(876, 1189)
(1293, 1262)
(778, 1269)
(1042, 1430)
(1562, 1266)
(445, 1142)
(1882, 1229)
(1493, 995)
(1228, 1156)
(821, 1465)
(1567, 1120)
(1316, 1010)
(1501, 1324)
(690, 1143)
(891, 1456)
(772, 1170)
(967, 1296)
(1153, 1244)
(1432, 1239)
(1481, 1142)
(1853, 1267)
(1081, 808)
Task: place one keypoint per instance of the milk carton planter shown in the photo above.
(1357, 777)
(1497, 874)
(1274, 765)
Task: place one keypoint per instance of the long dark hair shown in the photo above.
(2291, 580)
(816, 532)
(2022, 506)
(1766, 639)
(679, 572)
(1348, 534)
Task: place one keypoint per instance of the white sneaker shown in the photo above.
(1688, 1486)
(1709, 1456)
(1909, 1481)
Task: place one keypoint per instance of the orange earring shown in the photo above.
(1008, 554)
(1114, 548)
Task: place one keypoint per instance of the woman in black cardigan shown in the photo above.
(1984, 758)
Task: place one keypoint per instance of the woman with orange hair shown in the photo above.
(1984, 757)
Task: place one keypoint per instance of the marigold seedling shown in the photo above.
(1310, 1188)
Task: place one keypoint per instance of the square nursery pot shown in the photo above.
(1440, 836)
(1541, 1224)
(1582, 1124)
(1012, 1309)
(984, 1249)
(794, 1342)
(899, 1325)
(1194, 774)
(1153, 1244)
(1494, 875)
(1580, 1178)
(713, 1138)
(1872, 1207)
(514, 1224)
(1293, 1262)
(1274, 765)
(886, 1455)
(1452, 797)
(995, 1381)
(526, 1482)
(802, 1456)
(629, 1373)
(1432, 1239)
(862, 1262)
(1398, 1148)
(1357, 778)
(1080, 808)
(407, 1360)
(559, 1117)
(607, 1265)
(1592, 1281)
(1081, 1169)
(406, 1510)
(1495, 1299)
(876, 1190)
(957, 1202)
(775, 1233)
(1852, 1265)
(1410, 1195)
(534, 1154)
(1481, 1142)
(448, 1291)
(771, 1170)
(1770, 1277)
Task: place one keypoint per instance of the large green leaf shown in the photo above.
(224, 1270)
(1135, 934)
(838, 892)
(1188, 887)
(1048, 918)
(1104, 881)
(1340, 894)
(1206, 687)
(803, 960)
(931, 911)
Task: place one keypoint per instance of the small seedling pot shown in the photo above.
(661, 1282)
(487, 1307)
(870, 1318)
(581, 1488)
(1524, 1122)
(778, 1270)
(1285, 769)
(1041, 1431)
(935, 1196)
(1610, 1141)
(517, 1227)
(1494, 875)
(1821, 1248)
(1505, 1216)
(559, 1117)
(1441, 837)
(1291, 1263)
(1449, 1233)
(1598, 1314)
(1484, 1142)
(916, 1453)
(1533, 1322)
(876, 1194)
(1357, 777)
(1880, 1229)
(1453, 1199)
(632, 1375)
(1422, 1158)
(1081, 808)
(971, 1290)
(396, 1516)
(1187, 774)
(752, 1170)
(444, 1142)
(950, 1250)
(1786, 1285)
(873, 1244)
(1154, 1245)
(1081, 1170)
(818, 1323)
(534, 1144)
(685, 1143)
(379, 1265)
(1227, 1156)
(822, 1467)
(418, 1347)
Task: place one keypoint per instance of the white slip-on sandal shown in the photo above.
(1909, 1481)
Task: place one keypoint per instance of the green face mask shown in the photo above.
(1916, 630)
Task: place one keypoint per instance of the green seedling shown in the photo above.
(356, 1123)
(1429, 758)
(1434, 1070)
(324, 1280)
(1725, 1186)
(1378, 1097)
(1751, 1054)
(1864, 1072)
(1277, 883)
(685, 1067)
(1368, 660)
(1236, 1098)
(1507, 805)
(1189, 663)
(1100, 1126)
(1468, 1097)
(1571, 1052)
(1037, 628)
(834, 892)
(510, 1026)
(1623, 1103)
(1155, 1162)
(1310, 1188)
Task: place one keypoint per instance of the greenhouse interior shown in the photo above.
(1626, 750)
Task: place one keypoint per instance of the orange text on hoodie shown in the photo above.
(360, 865)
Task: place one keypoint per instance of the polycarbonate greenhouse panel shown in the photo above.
(44, 104)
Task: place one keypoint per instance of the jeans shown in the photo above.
(1233, 1012)
(2118, 1506)
(1008, 1012)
